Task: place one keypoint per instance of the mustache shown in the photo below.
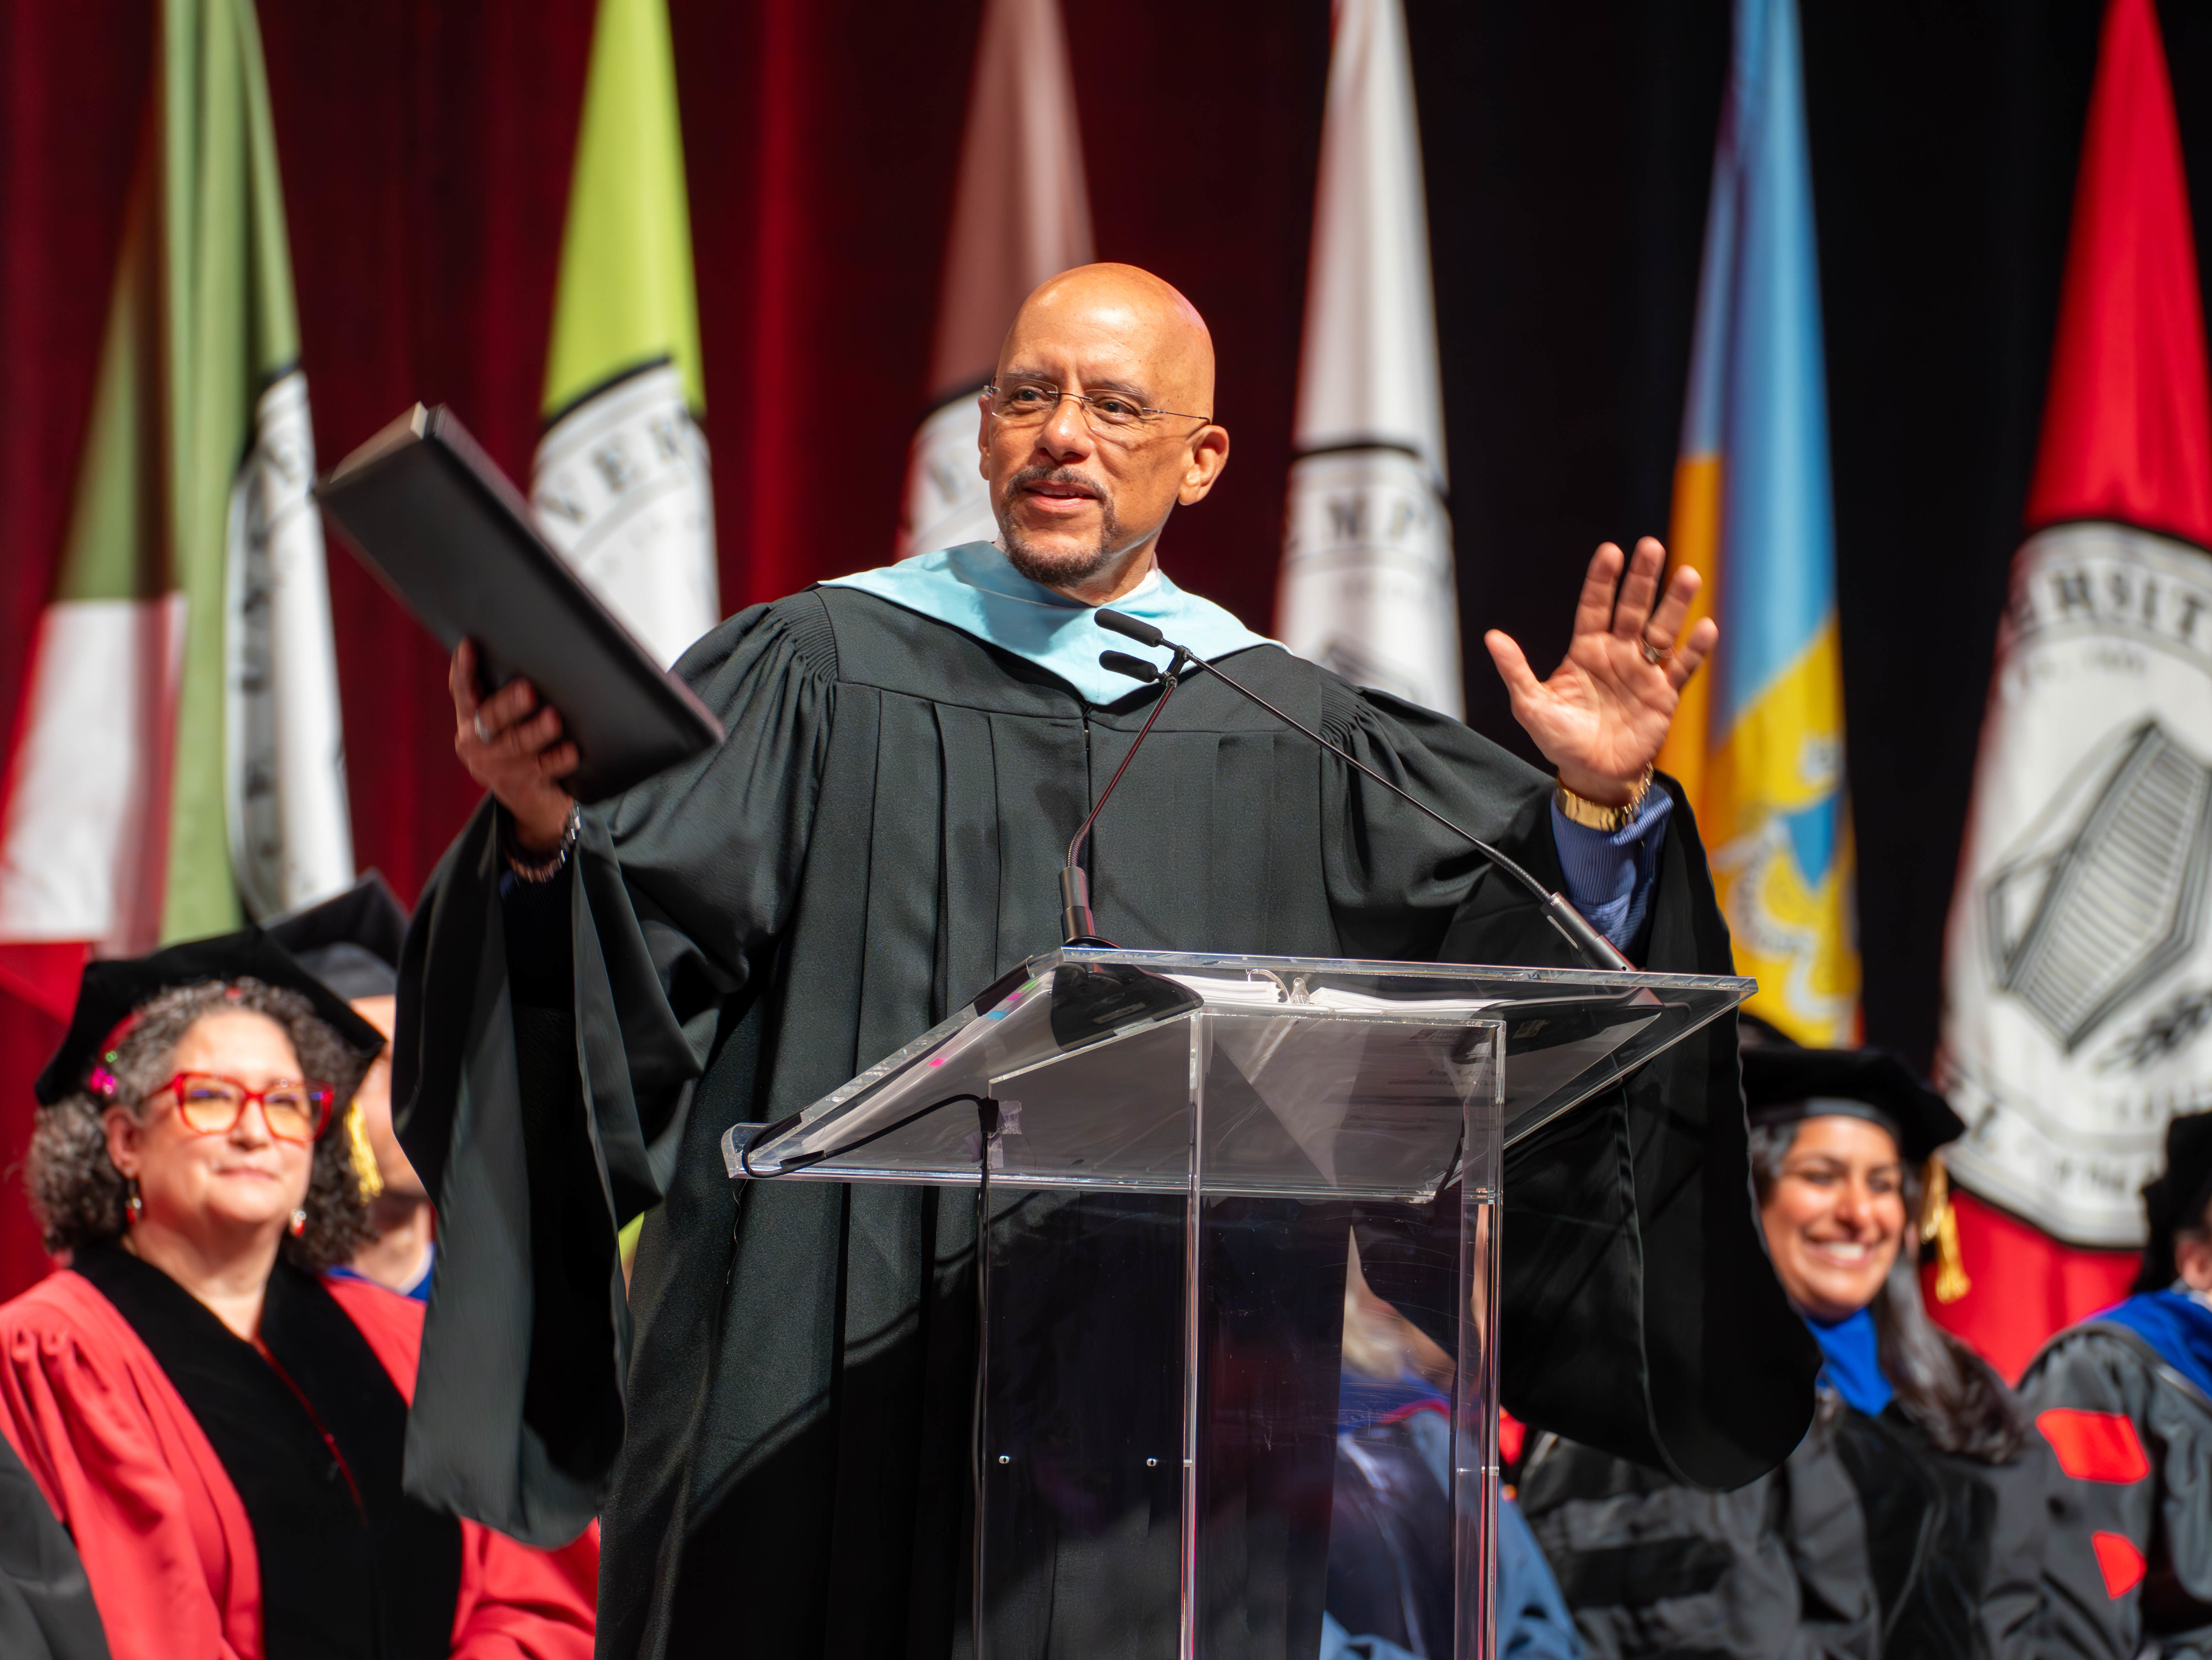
(1066, 475)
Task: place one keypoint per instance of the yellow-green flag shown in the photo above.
(620, 481)
(181, 762)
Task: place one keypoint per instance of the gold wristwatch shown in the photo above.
(1583, 811)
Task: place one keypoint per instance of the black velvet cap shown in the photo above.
(1784, 1085)
(350, 942)
(2177, 1200)
(113, 987)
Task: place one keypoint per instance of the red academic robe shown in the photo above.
(162, 1531)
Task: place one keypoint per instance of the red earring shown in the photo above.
(134, 1208)
(299, 1224)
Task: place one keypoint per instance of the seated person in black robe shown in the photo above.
(2125, 1400)
(775, 1423)
(46, 1611)
(1910, 1520)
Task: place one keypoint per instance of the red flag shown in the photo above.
(2127, 420)
(2078, 967)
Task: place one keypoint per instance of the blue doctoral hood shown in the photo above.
(2176, 1324)
(975, 589)
(1854, 1360)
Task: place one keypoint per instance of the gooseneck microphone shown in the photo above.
(1077, 923)
(1596, 949)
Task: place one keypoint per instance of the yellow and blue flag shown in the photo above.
(1758, 743)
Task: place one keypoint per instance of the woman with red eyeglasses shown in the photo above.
(221, 1427)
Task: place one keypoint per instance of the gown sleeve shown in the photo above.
(1650, 1566)
(1641, 1315)
(555, 1109)
(2128, 1520)
(1610, 874)
(153, 1538)
(47, 1610)
(2010, 1608)
(514, 1602)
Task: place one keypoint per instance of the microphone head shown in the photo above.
(1122, 663)
(1128, 627)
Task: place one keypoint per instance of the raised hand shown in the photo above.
(512, 746)
(1604, 712)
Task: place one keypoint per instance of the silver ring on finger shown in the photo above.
(1654, 655)
(476, 721)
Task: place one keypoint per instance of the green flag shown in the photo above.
(198, 776)
(620, 481)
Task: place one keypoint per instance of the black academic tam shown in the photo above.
(2177, 1199)
(351, 941)
(1783, 1084)
(112, 988)
(782, 1452)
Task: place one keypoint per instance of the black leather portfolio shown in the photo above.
(446, 532)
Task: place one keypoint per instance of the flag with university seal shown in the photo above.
(1758, 742)
(1021, 212)
(1367, 579)
(619, 485)
(180, 762)
(2077, 979)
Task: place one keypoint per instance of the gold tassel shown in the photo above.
(1939, 1222)
(364, 1156)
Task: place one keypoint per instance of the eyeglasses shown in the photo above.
(1029, 403)
(211, 1105)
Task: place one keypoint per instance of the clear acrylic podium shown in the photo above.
(1173, 1151)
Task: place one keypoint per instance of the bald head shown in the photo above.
(1120, 313)
(1082, 485)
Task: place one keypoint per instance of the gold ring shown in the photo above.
(1652, 654)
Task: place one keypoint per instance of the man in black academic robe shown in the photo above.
(2125, 1399)
(774, 1427)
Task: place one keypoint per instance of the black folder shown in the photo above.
(442, 527)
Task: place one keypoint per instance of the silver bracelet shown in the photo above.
(545, 869)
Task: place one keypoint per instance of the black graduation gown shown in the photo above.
(46, 1611)
(2129, 1566)
(1870, 1543)
(879, 837)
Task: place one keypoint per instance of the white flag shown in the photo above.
(2078, 973)
(1367, 586)
(1020, 214)
(2079, 968)
(291, 837)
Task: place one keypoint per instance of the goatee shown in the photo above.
(1058, 569)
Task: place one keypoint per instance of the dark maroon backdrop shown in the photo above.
(426, 153)
(425, 147)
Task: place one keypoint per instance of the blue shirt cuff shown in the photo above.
(1610, 876)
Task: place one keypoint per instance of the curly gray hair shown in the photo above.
(78, 1194)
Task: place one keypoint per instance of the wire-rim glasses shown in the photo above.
(1031, 402)
(208, 1103)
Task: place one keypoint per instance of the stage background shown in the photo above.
(426, 149)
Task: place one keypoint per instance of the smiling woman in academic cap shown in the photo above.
(219, 1426)
(1909, 1520)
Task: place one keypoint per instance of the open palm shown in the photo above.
(1603, 714)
